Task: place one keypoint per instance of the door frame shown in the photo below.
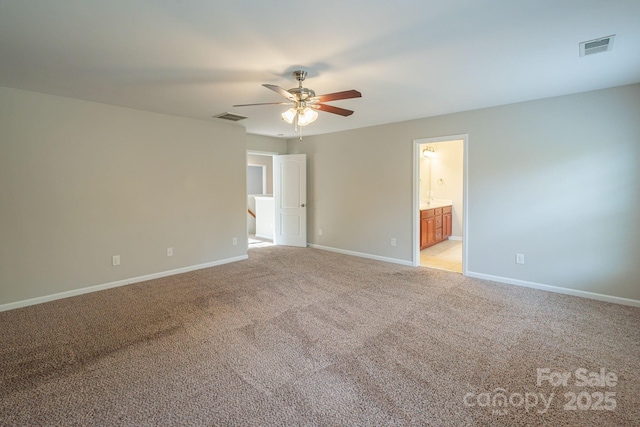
(246, 161)
(465, 195)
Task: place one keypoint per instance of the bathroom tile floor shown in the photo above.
(446, 255)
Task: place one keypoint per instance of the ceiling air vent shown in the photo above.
(603, 44)
(229, 116)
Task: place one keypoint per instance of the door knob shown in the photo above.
(302, 205)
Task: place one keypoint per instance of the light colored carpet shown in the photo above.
(304, 337)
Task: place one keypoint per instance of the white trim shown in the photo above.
(557, 289)
(465, 196)
(361, 255)
(262, 153)
(123, 282)
(458, 238)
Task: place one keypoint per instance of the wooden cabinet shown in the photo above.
(447, 222)
(427, 228)
(435, 225)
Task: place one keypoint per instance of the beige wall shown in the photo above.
(555, 179)
(81, 181)
(425, 176)
(266, 144)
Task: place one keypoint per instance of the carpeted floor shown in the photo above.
(303, 337)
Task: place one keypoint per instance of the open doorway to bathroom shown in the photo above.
(439, 203)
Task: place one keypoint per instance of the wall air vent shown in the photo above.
(229, 116)
(603, 44)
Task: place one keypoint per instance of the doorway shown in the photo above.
(259, 197)
(276, 199)
(439, 203)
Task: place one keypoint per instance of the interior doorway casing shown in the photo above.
(416, 195)
(251, 227)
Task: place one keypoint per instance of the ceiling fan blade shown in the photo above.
(332, 109)
(264, 103)
(347, 94)
(281, 91)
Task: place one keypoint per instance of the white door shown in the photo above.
(290, 199)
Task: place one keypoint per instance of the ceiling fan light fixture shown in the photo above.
(307, 116)
(289, 115)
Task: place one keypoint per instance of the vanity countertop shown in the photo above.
(435, 204)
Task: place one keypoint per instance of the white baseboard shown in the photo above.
(88, 289)
(361, 255)
(458, 238)
(557, 289)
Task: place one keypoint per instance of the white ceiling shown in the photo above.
(409, 58)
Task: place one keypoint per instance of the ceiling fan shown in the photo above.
(305, 102)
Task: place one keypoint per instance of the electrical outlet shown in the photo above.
(393, 242)
(235, 241)
(169, 251)
(115, 260)
(320, 232)
(519, 258)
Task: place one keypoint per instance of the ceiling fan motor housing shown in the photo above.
(302, 93)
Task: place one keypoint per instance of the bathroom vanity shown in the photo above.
(435, 224)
